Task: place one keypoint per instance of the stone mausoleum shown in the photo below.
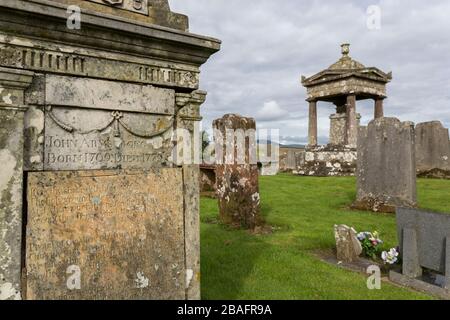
(342, 84)
(94, 203)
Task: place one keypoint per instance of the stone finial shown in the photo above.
(345, 49)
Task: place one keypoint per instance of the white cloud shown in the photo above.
(269, 44)
(271, 111)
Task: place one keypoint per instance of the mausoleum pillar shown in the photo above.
(188, 120)
(352, 122)
(379, 112)
(312, 130)
(13, 82)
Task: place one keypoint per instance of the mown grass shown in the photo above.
(238, 265)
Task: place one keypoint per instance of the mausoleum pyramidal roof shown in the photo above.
(346, 67)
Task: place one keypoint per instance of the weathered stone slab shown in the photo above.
(77, 139)
(419, 285)
(237, 182)
(122, 230)
(108, 95)
(425, 249)
(11, 159)
(386, 175)
(338, 128)
(431, 231)
(432, 150)
(348, 247)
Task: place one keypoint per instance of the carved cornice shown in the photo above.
(189, 105)
(15, 78)
(47, 20)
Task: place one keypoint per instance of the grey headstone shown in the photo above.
(386, 175)
(431, 231)
(432, 150)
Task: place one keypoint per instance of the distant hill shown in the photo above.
(298, 146)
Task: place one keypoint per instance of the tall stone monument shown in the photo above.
(237, 171)
(432, 150)
(386, 176)
(342, 84)
(90, 97)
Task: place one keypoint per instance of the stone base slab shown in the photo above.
(419, 285)
(378, 204)
(329, 161)
(434, 173)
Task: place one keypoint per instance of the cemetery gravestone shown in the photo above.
(386, 175)
(432, 150)
(88, 118)
(237, 171)
(348, 246)
(424, 244)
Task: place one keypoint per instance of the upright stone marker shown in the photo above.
(386, 166)
(87, 119)
(425, 248)
(348, 247)
(237, 171)
(432, 150)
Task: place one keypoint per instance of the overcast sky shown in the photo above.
(269, 44)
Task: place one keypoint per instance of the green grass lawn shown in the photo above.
(238, 265)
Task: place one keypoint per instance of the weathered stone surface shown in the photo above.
(347, 244)
(207, 178)
(145, 11)
(347, 76)
(291, 159)
(342, 84)
(77, 139)
(419, 285)
(13, 82)
(338, 128)
(323, 161)
(106, 47)
(108, 95)
(103, 97)
(187, 130)
(139, 6)
(192, 230)
(34, 138)
(424, 244)
(386, 166)
(11, 159)
(95, 124)
(123, 230)
(237, 184)
(431, 231)
(432, 150)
